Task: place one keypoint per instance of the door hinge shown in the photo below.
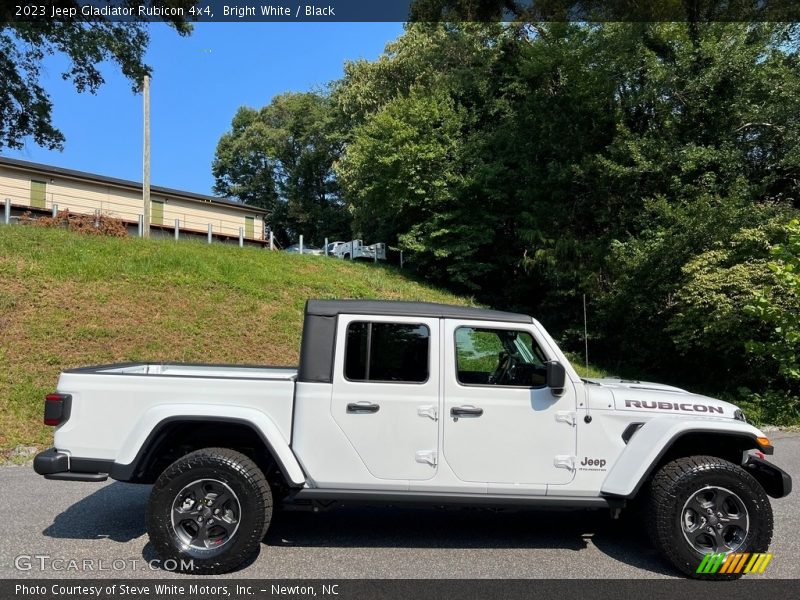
(428, 411)
(566, 416)
(428, 457)
(565, 462)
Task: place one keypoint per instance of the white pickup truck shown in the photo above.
(405, 402)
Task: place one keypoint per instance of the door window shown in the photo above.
(388, 352)
(498, 357)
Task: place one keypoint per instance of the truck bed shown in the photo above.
(115, 407)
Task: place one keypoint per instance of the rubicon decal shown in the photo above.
(685, 406)
(737, 562)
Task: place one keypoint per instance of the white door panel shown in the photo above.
(501, 434)
(391, 424)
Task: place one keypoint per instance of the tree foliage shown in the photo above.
(779, 306)
(645, 165)
(280, 157)
(25, 106)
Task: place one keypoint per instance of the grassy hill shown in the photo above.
(68, 300)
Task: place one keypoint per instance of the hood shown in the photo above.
(643, 396)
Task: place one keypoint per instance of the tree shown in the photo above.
(281, 158)
(25, 106)
(779, 306)
(530, 163)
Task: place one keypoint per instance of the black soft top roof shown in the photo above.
(332, 308)
(319, 327)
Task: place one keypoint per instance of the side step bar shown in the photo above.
(329, 496)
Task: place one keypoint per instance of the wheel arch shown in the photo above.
(173, 436)
(659, 442)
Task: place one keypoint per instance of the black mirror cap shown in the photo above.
(556, 377)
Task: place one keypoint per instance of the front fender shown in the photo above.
(152, 420)
(654, 439)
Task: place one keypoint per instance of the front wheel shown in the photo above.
(209, 511)
(703, 505)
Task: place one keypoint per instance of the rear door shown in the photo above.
(386, 393)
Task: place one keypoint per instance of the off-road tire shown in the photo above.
(253, 497)
(678, 481)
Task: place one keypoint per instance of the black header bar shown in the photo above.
(293, 11)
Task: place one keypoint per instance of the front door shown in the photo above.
(502, 425)
(386, 393)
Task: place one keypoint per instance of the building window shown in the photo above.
(387, 352)
(38, 192)
(157, 212)
(250, 227)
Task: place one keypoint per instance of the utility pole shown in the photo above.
(146, 158)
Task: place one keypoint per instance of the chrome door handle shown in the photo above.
(363, 408)
(466, 411)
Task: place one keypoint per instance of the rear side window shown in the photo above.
(388, 352)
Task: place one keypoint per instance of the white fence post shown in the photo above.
(55, 210)
(326, 246)
(7, 212)
(271, 241)
(141, 226)
(177, 228)
(401, 259)
(301, 243)
(210, 231)
(241, 237)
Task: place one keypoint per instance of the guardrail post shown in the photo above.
(326, 246)
(210, 231)
(271, 241)
(241, 237)
(55, 210)
(7, 212)
(301, 243)
(177, 228)
(141, 226)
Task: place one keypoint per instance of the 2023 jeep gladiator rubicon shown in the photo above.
(399, 402)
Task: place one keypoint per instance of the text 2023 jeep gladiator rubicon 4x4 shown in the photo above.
(410, 402)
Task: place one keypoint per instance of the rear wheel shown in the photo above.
(209, 511)
(701, 505)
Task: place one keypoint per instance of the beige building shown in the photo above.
(39, 188)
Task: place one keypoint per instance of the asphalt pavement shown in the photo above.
(73, 529)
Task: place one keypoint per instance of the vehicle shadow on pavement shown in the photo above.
(363, 527)
(115, 512)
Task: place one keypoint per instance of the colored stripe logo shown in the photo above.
(734, 563)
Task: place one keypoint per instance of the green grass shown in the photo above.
(592, 371)
(68, 300)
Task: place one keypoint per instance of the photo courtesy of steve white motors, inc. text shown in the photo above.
(193, 590)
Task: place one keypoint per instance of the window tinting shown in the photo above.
(387, 352)
(498, 357)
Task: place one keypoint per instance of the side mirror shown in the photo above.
(556, 377)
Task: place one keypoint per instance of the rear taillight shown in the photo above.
(56, 408)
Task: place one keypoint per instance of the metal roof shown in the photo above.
(125, 183)
(329, 308)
